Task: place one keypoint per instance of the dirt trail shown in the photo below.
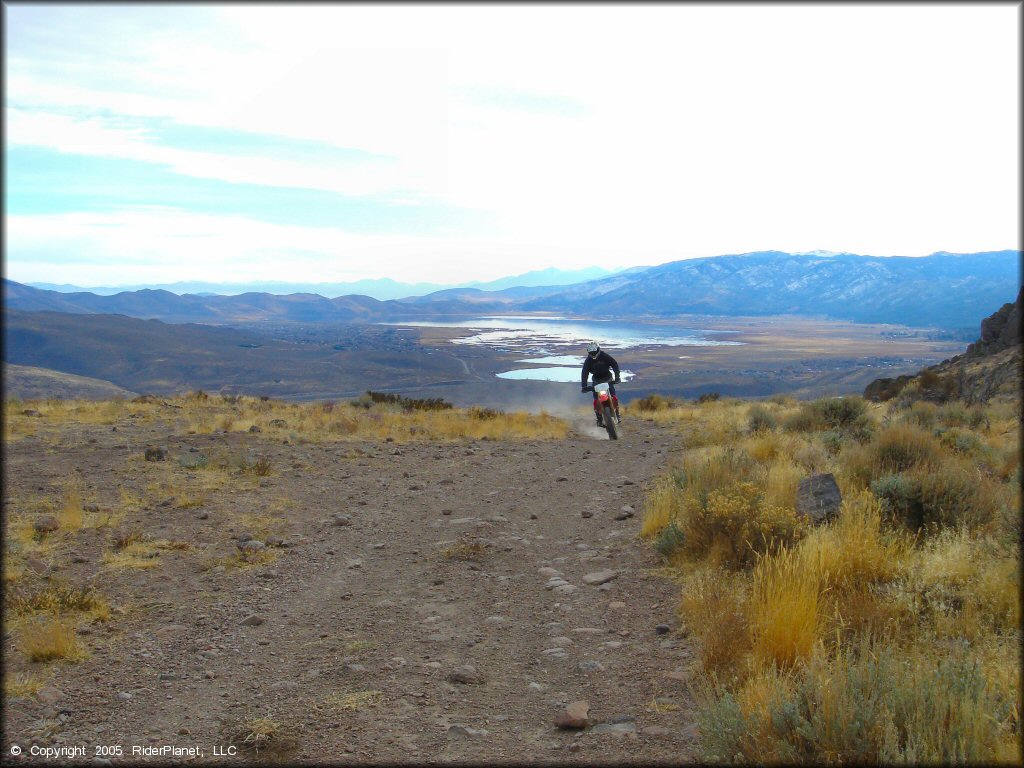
(442, 565)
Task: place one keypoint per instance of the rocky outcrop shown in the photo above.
(999, 331)
(991, 366)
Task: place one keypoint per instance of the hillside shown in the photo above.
(29, 382)
(153, 356)
(943, 290)
(989, 368)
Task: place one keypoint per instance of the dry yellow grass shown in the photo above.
(71, 515)
(22, 685)
(856, 624)
(785, 616)
(660, 508)
(51, 639)
(713, 606)
(261, 736)
(134, 552)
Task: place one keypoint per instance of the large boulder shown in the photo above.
(818, 498)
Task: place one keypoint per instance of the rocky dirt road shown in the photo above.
(431, 603)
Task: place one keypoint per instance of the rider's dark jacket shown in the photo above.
(599, 368)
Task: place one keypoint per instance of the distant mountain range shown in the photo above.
(381, 289)
(944, 290)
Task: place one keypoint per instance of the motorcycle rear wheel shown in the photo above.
(609, 423)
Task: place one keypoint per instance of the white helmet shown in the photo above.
(593, 348)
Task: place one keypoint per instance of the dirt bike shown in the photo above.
(606, 406)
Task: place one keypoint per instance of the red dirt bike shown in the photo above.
(606, 406)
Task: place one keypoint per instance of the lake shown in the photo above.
(548, 340)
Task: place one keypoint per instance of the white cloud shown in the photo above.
(158, 244)
(697, 130)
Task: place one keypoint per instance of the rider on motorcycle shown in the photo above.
(600, 364)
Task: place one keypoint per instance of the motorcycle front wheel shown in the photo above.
(609, 423)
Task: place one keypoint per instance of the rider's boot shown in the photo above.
(618, 419)
(597, 415)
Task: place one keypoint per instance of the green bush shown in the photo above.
(193, 460)
(922, 413)
(737, 525)
(901, 498)
(902, 446)
(839, 412)
(709, 397)
(669, 540)
(804, 420)
(761, 419)
(947, 496)
(963, 442)
(951, 497)
(408, 403)
(653, 403)
(833, 441)
(866, 707)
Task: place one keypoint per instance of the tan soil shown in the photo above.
(405, 618)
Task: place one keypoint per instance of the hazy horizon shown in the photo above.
(329, 144)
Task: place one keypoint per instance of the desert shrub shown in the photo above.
(408, 403)
(482, 414)
(261, 737)
(56, 597)
(261, 466)
(197, 395)
(806, 419)
(937, 387)
(734, 525)
(669, 540)
(867, 706)
(760, 419)
(922, 413)
(952, 496)
(839, 412)
(833, 441)
(341, 424)
(193, 460)
(960, 441)
(835, 413)
(901, 497)
(714, 471)
(813, 457)
(902, 446)
(763, 447)
(708, 397)
(948, 496)
(713, 607)
(652, 403)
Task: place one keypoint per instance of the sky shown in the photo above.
(153, 143)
